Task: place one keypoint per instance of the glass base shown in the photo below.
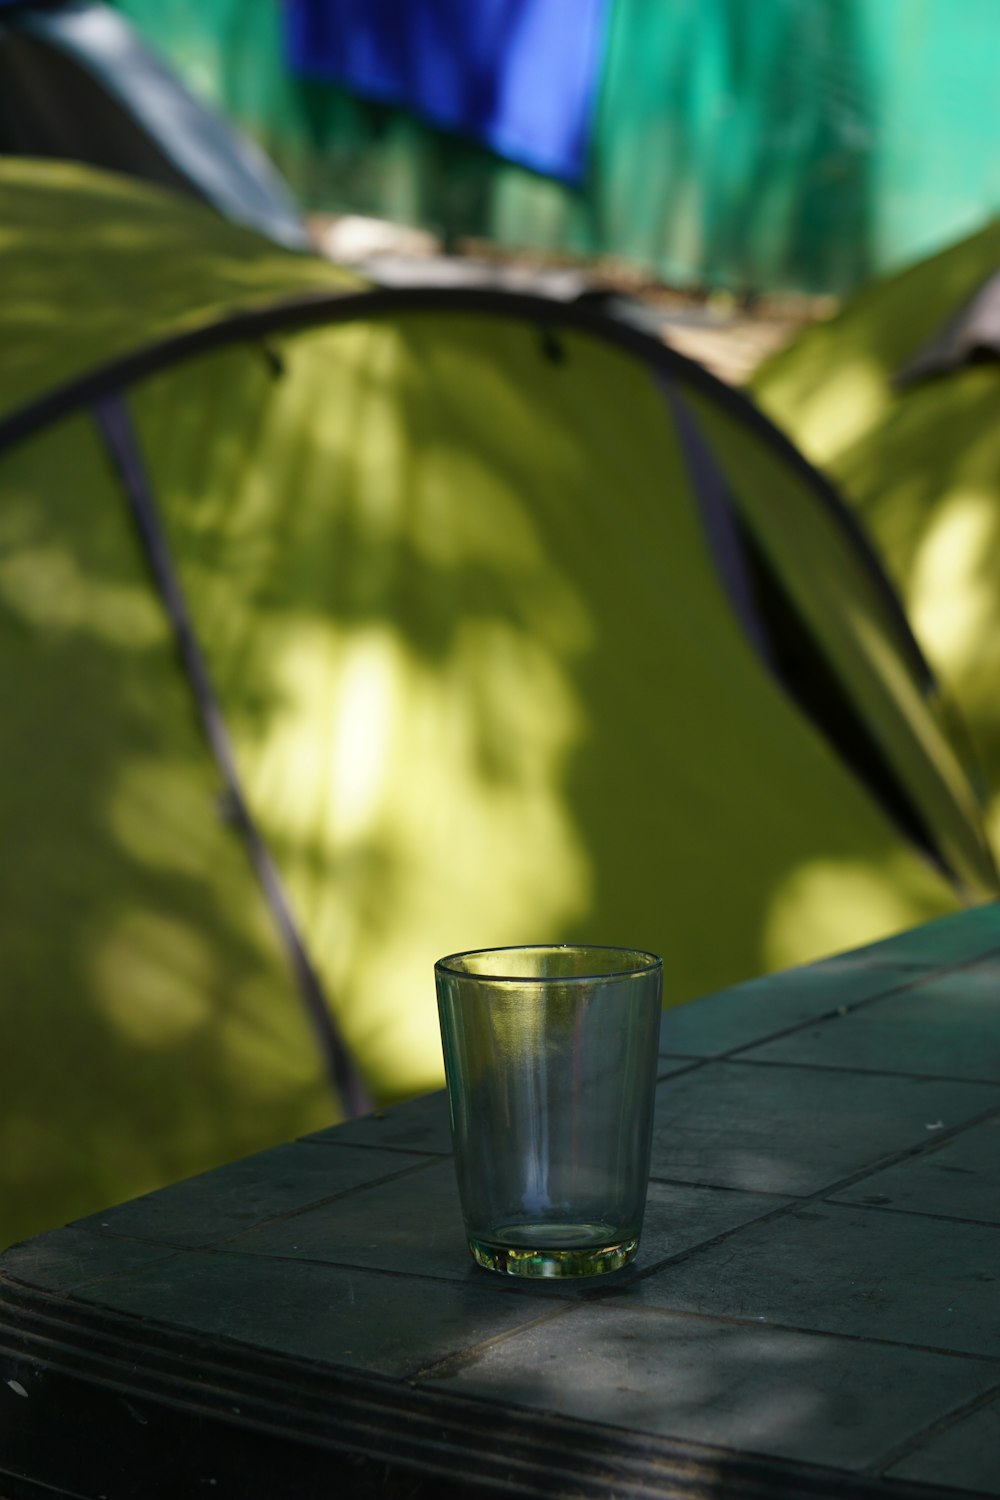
(581, 1260)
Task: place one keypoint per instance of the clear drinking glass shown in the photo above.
(550, 1056)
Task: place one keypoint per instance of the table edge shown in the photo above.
(258, 1419)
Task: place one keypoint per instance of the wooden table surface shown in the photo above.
(814, 1310)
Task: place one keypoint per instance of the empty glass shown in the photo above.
(550, 1056)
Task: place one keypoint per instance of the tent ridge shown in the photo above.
(314, 309)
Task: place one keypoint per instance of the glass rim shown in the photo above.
(652, 962)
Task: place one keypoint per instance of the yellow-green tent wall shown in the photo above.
(455, 575)
(919, 462)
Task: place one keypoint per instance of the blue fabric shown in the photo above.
(519, 75)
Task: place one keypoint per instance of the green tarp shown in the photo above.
(523, 627)
(756, 144)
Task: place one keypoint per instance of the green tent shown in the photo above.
(899, 399)
(343, 628)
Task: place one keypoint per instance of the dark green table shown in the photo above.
(815, 1309)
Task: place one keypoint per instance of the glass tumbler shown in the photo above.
(550, 1057)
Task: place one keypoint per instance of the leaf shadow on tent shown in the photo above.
(938, 527)
(63, 314)
(484, 688)
(152, 1029)
(484, 684)
(389, 662)
(918, 466)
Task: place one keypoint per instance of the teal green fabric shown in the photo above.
(789, 144)
(483, 681)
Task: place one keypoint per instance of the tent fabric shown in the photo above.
(520, 76)
(205, 267)
(451, 571)
(899, 400)
(972, 333)
(116, 429)
(78, 82)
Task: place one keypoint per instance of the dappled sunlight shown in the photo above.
(482, 681)
(152, 1027)
(920, 467)
(868, 650)
(929, 765)
(137, 263)
(46, 588)
(953, 592)
(733, 1383)
(153, 979)
(841, 408)
(419, 811)
(141, 790)
(363, 731)
(826, 905)
(934, 441)
(498, 527)
(497, 533)
(925, 481)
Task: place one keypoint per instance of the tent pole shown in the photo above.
(121, 441)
